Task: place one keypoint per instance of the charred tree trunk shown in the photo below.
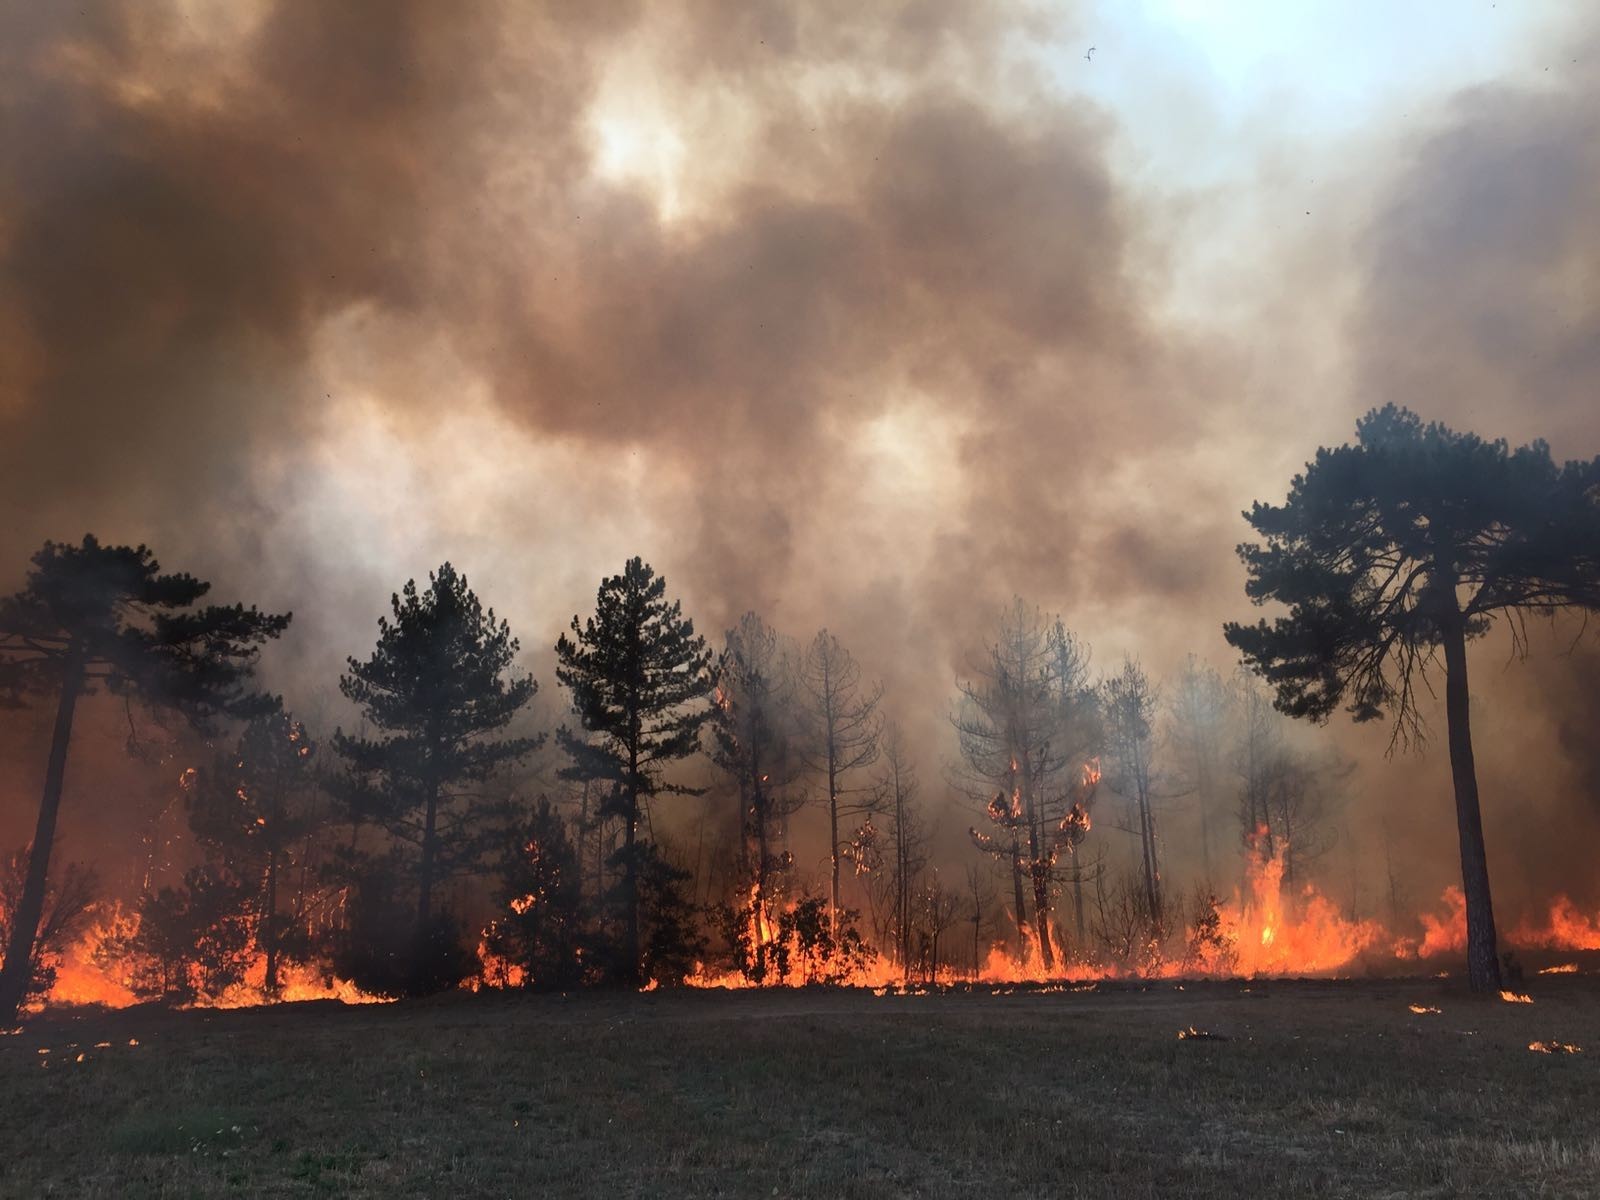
(1152, 870)
(17, 973)
(1040, 872)
(630, 867)
(1022, 910)
(269, 927)
(758, 811)
(902, 886)
(1483, 962)
(833, 842)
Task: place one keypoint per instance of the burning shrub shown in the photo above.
(541, 931)
(749, 931)
(1210, 951)
(68, 904)
(192, 942)
(1129, 933)
(812, 948)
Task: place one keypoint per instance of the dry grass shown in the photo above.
(1327, 1088)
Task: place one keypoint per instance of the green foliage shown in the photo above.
(1385, 546)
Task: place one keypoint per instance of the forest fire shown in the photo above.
(416, 857)
(1265, 930)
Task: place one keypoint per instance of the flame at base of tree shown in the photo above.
(95, 970)
(1264, 929)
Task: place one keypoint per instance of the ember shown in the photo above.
(1554, 1048)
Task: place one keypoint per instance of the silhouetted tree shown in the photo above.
(753, 732)
(908, 841)
(92, 614)
(1198, 711)
(841, 734)
(640, 680)
(1257, 750)
(1399, 548)
(439, 686)
(1131, 704)
(255, 809)
(936, 909)
(541, 930)
(670, 942)
(1026, 723)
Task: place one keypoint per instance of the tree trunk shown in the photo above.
(833, 843)
(902, 887)
(1022, 908)
(1077, 903)
(1041, 914)
(1483, 961)
(430, 838)
(1040, 873)
(17, 973)
(1152, 870)
(630, 867)
(269, 923)
(759, 812)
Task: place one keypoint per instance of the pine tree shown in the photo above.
(1398, 549)
(92, 614)
(439, 686)
(639, 677)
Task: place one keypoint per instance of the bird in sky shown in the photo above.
(1089, 55)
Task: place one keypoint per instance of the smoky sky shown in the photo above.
(859, 325)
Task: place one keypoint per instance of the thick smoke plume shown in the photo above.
(845, 315)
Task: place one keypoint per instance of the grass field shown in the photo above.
(1326, 1088)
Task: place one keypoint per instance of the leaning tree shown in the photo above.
(1398, 550)
(93, 615)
